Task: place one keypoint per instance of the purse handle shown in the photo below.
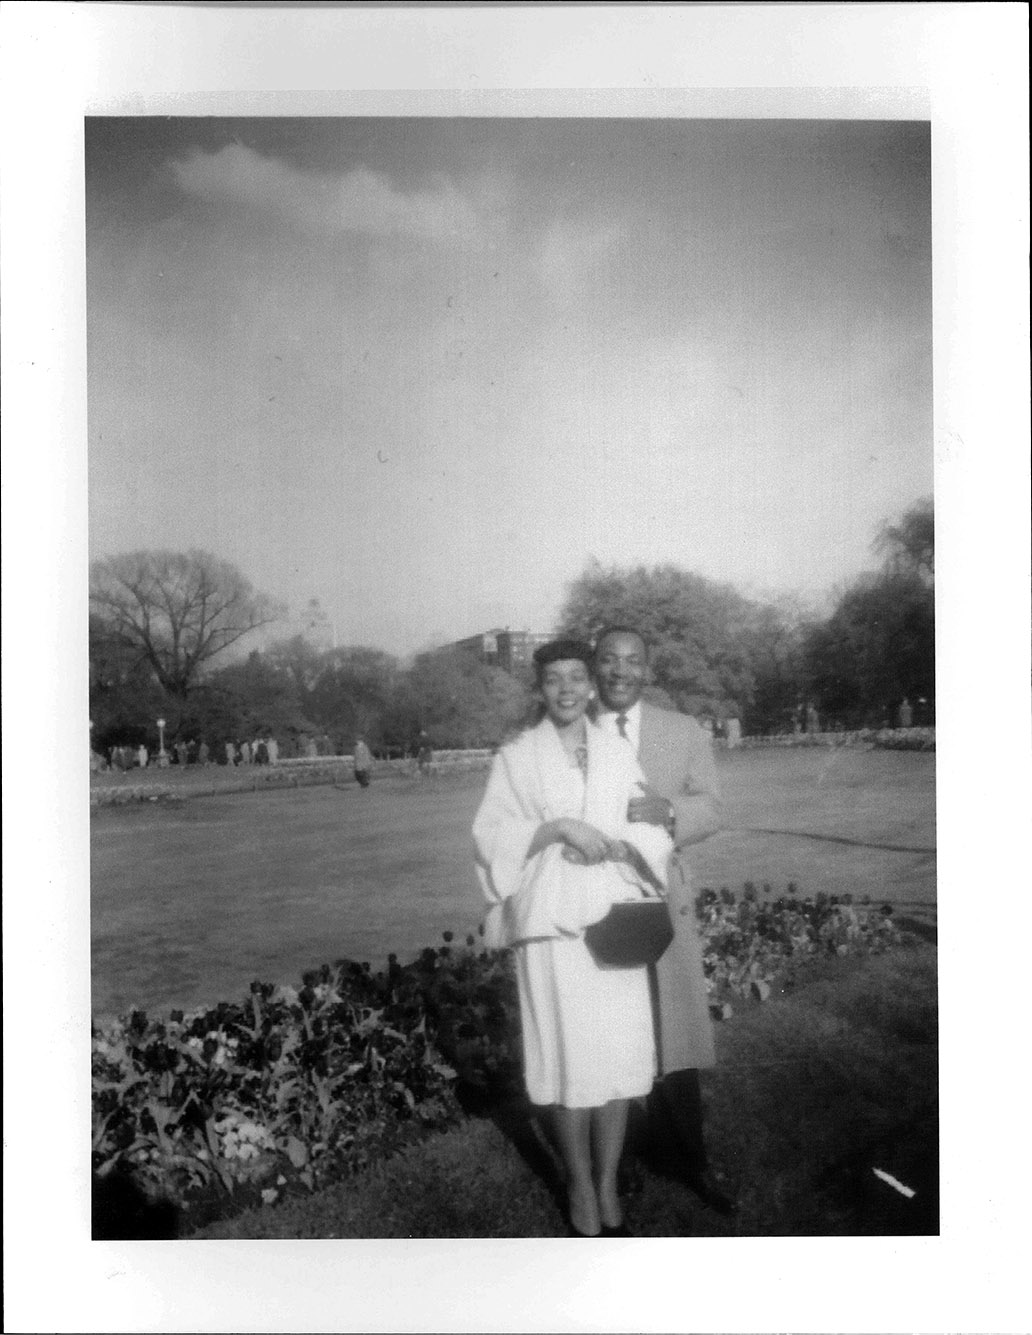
(635, 859)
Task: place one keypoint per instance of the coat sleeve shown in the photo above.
(696, 801)
(502, 833)
(651, 842)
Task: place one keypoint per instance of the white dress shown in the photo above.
(587, 1031)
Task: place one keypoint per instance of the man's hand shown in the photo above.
(651, 808)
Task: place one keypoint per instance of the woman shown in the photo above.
(554, 851)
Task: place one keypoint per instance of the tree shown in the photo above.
(301, 661)
(461, 702)
(774, 648)
(176, 611)
(243, 700)
(697, 629)
(352, 693)
(877, 647)
(125, 698)
(909, 545)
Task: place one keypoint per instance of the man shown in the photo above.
(681, 793)
(363, 762)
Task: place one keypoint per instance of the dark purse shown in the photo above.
(632, 934)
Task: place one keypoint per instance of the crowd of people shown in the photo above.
(190, 751)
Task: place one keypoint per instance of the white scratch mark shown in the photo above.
(908, 1192)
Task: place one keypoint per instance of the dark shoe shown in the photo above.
(703, 1185)
(620, 1231)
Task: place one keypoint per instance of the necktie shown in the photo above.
(621, 723)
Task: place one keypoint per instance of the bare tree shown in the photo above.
(176, 610)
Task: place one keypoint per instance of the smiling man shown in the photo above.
(681, 794)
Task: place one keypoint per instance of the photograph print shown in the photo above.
(511, 677)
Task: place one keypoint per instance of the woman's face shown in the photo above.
(566, 687)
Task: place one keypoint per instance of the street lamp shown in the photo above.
(162, 753)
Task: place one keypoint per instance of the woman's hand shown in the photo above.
(585, 842)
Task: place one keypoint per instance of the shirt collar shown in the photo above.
(633, 715)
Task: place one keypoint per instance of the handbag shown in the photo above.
(633, 933)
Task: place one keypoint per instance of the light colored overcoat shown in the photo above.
(531, 898)
(677, 758)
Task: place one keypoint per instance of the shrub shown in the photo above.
(754, 943)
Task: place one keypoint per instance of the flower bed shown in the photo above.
(754, 943)
(289, 1089)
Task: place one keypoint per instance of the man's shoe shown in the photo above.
(704, 1186)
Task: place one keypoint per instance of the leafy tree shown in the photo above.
(877, 647)
(244, 700)
(698, 629)
(460, 702)
(125, 697)
(303, 663)
(909, 545)
(175, 611)
(774, 646)
(352, 693)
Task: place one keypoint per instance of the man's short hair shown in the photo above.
(606, 631)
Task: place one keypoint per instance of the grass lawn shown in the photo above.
(192, 900)
(812, 1092)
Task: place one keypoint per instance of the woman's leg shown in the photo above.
(573, 1133)
(609, 1128)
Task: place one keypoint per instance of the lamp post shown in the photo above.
(162, 753)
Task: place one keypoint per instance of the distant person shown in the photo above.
(734, 733)
(202, 753)
(245, 753)
(906, 714)
(272, 746)
(363, 763)
(231, 754)
(141, 756)
(813, 719)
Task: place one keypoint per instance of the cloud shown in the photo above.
(330, 203)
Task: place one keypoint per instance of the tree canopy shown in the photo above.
(908, 546)
(159, 619)
(175, 611)
(699, 631)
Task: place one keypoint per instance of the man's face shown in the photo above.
(620, 669)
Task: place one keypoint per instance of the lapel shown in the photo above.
(648, 736)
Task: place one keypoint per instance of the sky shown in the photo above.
(424, 370)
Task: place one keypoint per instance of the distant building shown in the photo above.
(508, 649)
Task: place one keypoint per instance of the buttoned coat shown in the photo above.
(677, 758)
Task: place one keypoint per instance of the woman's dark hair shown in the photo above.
(558, 651)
